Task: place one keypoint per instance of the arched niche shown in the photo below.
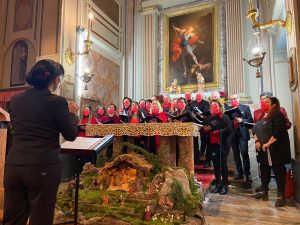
(19, 63)
(14, 54)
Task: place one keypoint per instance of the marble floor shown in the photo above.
(238, 206)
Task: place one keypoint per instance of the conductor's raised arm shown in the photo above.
(65, 117)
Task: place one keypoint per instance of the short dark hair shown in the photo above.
(130, 100)
(44, 72)
(218, 102)
(266, 93)
(112, 105)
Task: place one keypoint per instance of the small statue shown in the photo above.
(147, 213)
(200, 81)
(122, 200)
(105, 199)
(175, 89)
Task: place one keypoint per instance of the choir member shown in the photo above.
(99, 115)
(111, 117)
(273, 148)
(183, 112)
(158, 116)
(126, 110)
(188, 98)
(85, 119)
(136, 117)
(167, 105)
(202, 109)
(219, 144)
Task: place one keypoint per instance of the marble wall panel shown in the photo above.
(104, 86)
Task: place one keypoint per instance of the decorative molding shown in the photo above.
(149, 9)
(235, 75)
(23, 15)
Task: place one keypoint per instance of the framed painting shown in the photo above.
(293, 74)
(191, 47)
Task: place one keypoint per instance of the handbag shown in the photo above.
(289, 185)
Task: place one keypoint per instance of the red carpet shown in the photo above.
(205, 179)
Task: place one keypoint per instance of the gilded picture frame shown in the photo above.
(201, 54)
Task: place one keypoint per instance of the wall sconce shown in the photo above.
(86, 78)
(70, 54)
(252, 15)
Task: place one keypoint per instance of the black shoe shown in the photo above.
(248, 179)
(207, 164)
(238, 176)
(215, 189)
(224, 190)
(262, 195)
(280, 202)
(260, 188)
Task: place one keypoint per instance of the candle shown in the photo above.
(250, 4)
(91, 16)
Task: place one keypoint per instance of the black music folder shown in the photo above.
(124, 118)
(215, 122)
(234, 112)
(180, 117)
(150, 119)
(248, 125)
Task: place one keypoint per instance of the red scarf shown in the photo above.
(215, 135)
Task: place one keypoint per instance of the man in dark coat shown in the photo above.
(202, 109)
(240, 139)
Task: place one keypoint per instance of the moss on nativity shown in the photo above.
(132, 189)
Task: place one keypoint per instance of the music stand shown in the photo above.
(79, 153)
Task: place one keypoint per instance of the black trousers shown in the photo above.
(219, 159)
(240, 147)
(204, 149)
(30, 191)
(196, 151)
(279, 172)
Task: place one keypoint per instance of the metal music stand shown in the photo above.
(80, 153)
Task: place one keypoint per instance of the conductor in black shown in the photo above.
(32, 169)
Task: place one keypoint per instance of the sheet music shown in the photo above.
(82, 143)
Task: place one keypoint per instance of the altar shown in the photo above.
(168, 133)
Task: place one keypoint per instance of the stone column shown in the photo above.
(186, 153)
(234, 39)
(167, 151)
(149, 51)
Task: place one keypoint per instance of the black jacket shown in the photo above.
(243, 131)
(280, 150)
(226, 132)
(203, 106)
(37, 118)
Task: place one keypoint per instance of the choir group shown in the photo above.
(223, 127)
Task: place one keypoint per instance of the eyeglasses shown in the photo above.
(233, 98)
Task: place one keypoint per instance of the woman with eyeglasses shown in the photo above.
(32, 169)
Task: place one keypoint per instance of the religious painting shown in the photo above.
(23, 15)
(191, 47)
(293, 75)
(19, 63)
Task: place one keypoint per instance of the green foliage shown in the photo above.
(151, 158)
(88, 178)
(187, 203)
